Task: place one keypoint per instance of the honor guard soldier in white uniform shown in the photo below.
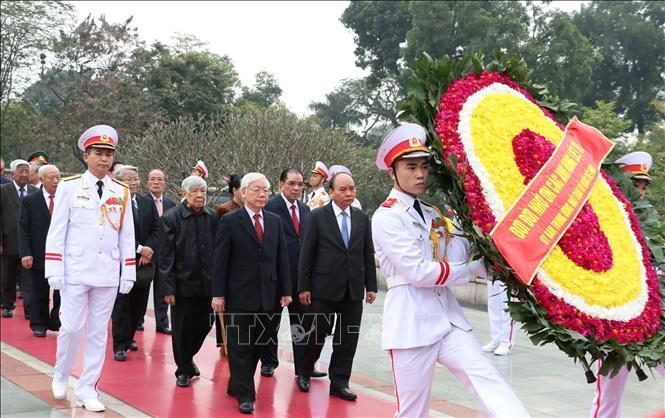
(421, 255)
(317, 178)
(608, 392)
(200, 169)
(336, 169)
(90, 256)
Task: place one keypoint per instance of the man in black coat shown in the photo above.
(11, 195)
(336, 268)
(186, 263)
(293, 214)
(156, 185)
(128, 309)
(34, 221)
(251, 278)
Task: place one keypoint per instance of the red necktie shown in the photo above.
(50, 204)
(258, 228)
(296, 224)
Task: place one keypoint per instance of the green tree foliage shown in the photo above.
(265, 93)
(562, 58)
(28, 28)
(185, 81)
(630, 38)
(605, 118)
(610, 51)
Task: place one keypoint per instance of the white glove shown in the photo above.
(125, 286)
(477, 268)
(56, 282)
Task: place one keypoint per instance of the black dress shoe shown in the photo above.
(39, 333)
(133, 346)
(120, 355)
(7, 313)
(303, 383)
(166, 331)
(246, 407)
(344, 393)
(267, 371)
(197, 372)
(316, 373)
(182, 380)
(139, 328)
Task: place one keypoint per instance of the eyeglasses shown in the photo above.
(257, 190)
(155, 178)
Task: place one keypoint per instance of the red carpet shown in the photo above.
(146, 381)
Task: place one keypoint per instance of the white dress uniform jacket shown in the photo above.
(419, 308)
(319, 198)
(90, 237)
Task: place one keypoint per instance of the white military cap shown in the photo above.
(14, 164)
(320, 168)
(639, 163)
(99, 136)
(337, 169)
(406, 141)
(203, 169)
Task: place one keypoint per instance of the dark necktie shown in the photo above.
(21, 193)
(416, 206)
(258, 228)
(100, 187)
(135, 209)
(294, 216)
(50, 204)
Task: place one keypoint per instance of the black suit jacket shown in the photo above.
(278, 207)
(9, 207)
(326, 266)
(33, 223)
(251, 277)
(146, 226)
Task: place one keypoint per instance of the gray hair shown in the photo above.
(43, 169)
(250, 178)
(120, 173)
(193, 181)
(34, 167)
(16, 164)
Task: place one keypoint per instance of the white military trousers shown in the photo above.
(460, 352)
(83, 308)
(502, 326)
(608, 393)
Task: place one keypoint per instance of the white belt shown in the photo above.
(397, 280)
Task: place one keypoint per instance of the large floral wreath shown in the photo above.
(596, 293)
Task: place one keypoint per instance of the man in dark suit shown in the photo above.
(34, 221)
(128, 309)
(251, 277)
(156, 185)
(336, 268)
(293, 214)
(3, 179)
(11, 195)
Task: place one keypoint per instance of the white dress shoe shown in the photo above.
(59, 389)
(92, 404)
(490, 347)
(502, 350)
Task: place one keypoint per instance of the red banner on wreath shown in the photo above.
(552, 200)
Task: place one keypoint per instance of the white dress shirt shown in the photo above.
(289, 204)
(338, 215)
(46, 197)
(251, 217)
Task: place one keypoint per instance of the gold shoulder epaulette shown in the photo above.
(74, 177)
(437, 210)
(120, 183)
